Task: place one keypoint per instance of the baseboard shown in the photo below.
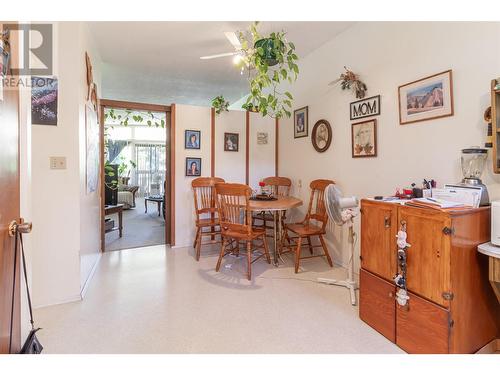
(66, 300)
(83, 292)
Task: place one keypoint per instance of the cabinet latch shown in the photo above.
(448, 296)
(448, 230)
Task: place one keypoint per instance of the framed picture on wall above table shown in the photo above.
(193, 167)
(231, 142)
(426, 99)
(192, 139)
(364, 139)
(301, 122)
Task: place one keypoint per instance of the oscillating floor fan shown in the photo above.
(341, 211)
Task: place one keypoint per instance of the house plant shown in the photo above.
(271, 61)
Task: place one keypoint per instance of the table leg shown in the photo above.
(275, 237)
(159, 208)
(145, 206)
(120, 222)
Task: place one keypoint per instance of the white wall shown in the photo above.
(261, 157)
(230, 165)
(65, 219)
(189, 117)
(387, 55)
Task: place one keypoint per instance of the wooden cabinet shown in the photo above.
(379, 223)
(428, 258)
(452, 307)
(377, 304)
(422, 327)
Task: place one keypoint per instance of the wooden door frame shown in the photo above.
(169, 140)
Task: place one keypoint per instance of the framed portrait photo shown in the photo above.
(231, 142)
(301, 122)
(193, 167)
(192, 139)
(364, 139)
(428, 98)
(321, 136)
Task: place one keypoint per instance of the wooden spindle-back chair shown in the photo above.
(235, 217)
(205, 210)
(280, 187)
(314, 224)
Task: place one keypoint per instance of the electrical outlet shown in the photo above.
(57, 162)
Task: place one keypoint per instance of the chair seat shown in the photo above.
(207, 222)
(256, 232)
(304, 229)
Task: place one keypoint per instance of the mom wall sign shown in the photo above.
(365, 108)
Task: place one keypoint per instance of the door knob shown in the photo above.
(21, 227)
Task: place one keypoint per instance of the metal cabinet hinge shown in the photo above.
(451, 323)
(448, 296)
(448, 230)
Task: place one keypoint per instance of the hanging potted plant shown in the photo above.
(270, 61)
(220, 104)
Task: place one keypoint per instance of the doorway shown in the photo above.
(136, 175)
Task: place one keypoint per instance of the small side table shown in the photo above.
(115, 209)
(158, 200)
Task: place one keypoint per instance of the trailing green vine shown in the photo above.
(220, 104)
(270, 60)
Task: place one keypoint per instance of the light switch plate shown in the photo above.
(58, 162)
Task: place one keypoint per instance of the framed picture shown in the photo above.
(231, 141)
(301, 122)
(193, 167)
(426, 99)
(44, 101)
(192, 139)
(321, 135)
(365, 108)
(92, 148)
(4, 60)
(364, 139)
(262, 138)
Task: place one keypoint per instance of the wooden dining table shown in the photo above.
(276, 207)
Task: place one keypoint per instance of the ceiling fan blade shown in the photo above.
(233, 39)
(218, 55)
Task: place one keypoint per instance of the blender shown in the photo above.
(473, 160)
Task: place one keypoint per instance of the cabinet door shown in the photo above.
(378, 238)
(377, 304)
(428, 258)
(422, 327)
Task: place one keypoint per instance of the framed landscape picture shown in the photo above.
(193, 167)
(426, 99)
(192, 139)
(231, 142)
(301, 122)
(364, 139)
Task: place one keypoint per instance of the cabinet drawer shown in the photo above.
(377, 304)
(423, 327)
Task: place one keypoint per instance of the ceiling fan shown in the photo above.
(233, 39)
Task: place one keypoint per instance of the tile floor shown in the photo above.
(160, 300)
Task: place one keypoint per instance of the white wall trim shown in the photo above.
(85, 287)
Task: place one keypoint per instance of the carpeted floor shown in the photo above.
(139, 228)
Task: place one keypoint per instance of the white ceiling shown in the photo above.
(158, 62)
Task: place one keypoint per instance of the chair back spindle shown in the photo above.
(280, 185)
(317, 209)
